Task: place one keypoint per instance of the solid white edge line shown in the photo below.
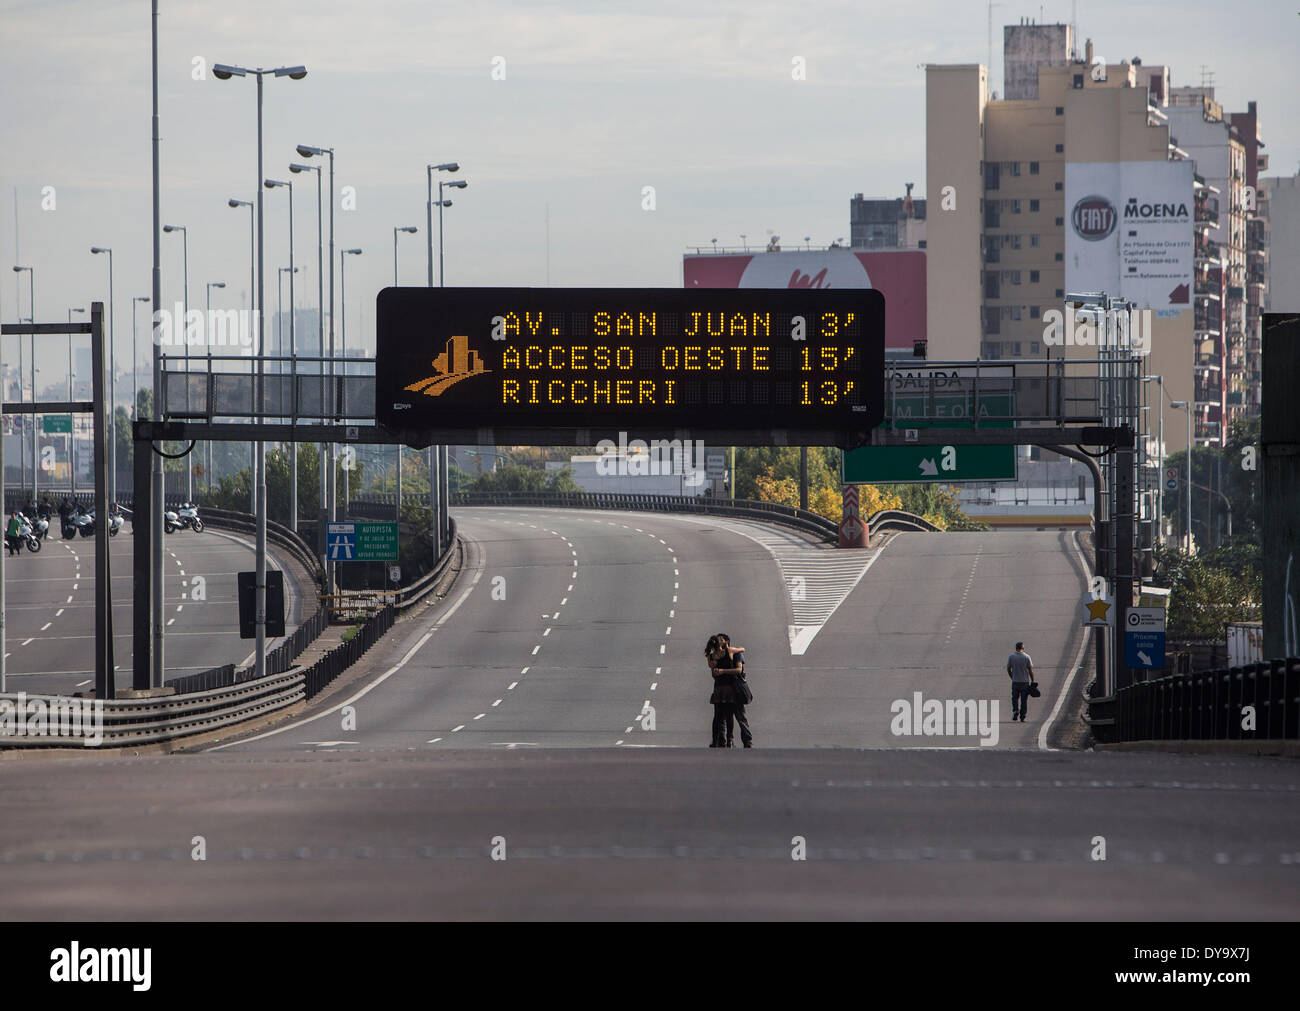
(383, 677)
(1069, 681)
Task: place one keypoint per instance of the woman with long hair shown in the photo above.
(727, 664)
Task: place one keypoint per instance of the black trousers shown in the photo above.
(725, 716)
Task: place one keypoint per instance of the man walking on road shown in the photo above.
(1020, 668)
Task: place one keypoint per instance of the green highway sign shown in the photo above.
(946, 396)
(934, 464)
(361, 542)
(56, 424)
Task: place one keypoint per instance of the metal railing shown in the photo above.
(774, 512)
(1209, 705)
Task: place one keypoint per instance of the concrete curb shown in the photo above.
(1275, 749)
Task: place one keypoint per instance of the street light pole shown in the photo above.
(185, 337)
(135, 356)
(1160, 456)
(252, 283)
(443, 468)
(307, 151)
(224, 72)
(343, 329)
(1185, 405)
(293, 366)
(412, 230)
(437, 505)
(208, 316)
(112, 388)
(31, 318)
(320, 331)
(72, 418)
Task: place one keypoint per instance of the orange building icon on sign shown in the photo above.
(457, 362)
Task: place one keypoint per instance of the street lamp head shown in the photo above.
(217, 284)
(76, 310)
(139, 298)
(1178, 403)
(173, 228)
(225, 72)
(459, 184)
(447, 166)
(273, 183)
(239, 203)
(306, 150)
(353, 252)
(408, 228)
(294, 73)
(99, 249)
(19, 270)
(295, 167)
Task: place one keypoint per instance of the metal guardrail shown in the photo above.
(1208, 705)
(897, 519)
(773, 512)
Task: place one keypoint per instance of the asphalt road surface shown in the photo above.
(633, 834)
(534, 747)
(50, 597)
(572, 629)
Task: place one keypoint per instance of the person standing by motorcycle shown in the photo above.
(12, 531)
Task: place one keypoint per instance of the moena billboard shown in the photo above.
(1131, 231)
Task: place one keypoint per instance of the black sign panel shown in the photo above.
(624, 358)
(274, 604)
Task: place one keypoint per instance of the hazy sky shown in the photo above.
(600, 100)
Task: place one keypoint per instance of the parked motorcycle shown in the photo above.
(85, 523)
(115, 522)
(26, 537)
(68, 526)
(186, 517)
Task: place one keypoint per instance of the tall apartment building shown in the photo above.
(1225, 148)
(998, 173)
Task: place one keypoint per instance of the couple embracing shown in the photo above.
(730, 691)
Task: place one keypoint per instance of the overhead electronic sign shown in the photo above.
(623, 358)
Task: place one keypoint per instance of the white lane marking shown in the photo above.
(80, 684)
(674, 559)
(676, 586)
(461, 727)
(383, 677)
(570, 589)
(58, 612)
(654, 685)
(480, 716)
(75, 585)
(674, 598)
(69, 600)
(180, 607)
(620, 740)
(434, 741)
(547, 632)
(564, 601)
(668, 630)
(536, 648)
(573, 574)
(672, 612)
(183, 571)
(1069, 681)
(659, 670)
(662, 647)
(628, 730)
(676, 572)
(525, 670)
(511, 686)
(26, 641)
(497, 702)
(46, 625)
(170, 620)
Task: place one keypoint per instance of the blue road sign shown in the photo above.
(341, 542)
(1144, 638)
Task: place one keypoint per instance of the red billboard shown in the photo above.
(898, 274)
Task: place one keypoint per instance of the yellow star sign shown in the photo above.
(1098, 612)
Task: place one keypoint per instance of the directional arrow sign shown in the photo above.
(904, 464)
(1144, 637)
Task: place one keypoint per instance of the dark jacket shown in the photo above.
(724, 685)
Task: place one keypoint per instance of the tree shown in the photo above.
(514, 477)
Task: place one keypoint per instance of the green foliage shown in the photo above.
(516, 477)
(1211, 589)
(1221, 470)
(936, 502)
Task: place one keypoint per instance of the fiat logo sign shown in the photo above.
(1094, 218)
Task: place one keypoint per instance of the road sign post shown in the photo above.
(853, 531)
(1144, 638)
(361, 542)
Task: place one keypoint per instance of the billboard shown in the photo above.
(619, 359)
(1128, 231)
(898, 274)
